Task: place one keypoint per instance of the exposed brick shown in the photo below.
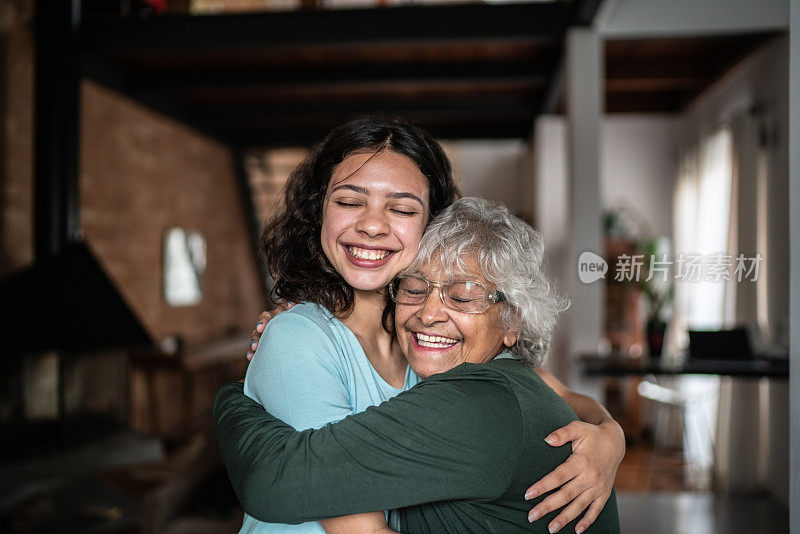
(142, 173)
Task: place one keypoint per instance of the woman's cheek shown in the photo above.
(412, 240)
(416, 233)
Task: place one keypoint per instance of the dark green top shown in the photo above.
(455, 454)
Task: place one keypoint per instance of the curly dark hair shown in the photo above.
(291, 238)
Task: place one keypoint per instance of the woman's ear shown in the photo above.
(512, 334)
(510, 338)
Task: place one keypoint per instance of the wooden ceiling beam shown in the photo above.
(476, 62)
(687, 47)
(652, 85)
(389, 90)
(647, 102)
(346, 54)
(699, 68)
(215, 33)
(181, 81)
(304, 131)
(226, 118)
(305, 135)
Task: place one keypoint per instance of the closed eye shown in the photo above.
(414, 293)
(404, 213)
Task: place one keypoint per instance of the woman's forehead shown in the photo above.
(379, 163)
(449, 269)
(351, 164)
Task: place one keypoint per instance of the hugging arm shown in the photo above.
(297, 376)
(408, 450)
(586, 479)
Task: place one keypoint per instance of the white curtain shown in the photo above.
(703, 219)
(702, 215)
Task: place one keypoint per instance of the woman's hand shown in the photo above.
(263, 319)
(585, 479)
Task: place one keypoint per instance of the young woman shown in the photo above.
(353, 215)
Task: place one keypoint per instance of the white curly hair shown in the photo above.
(510, 255)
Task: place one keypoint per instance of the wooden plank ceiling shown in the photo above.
(666, 75)
(461, 71)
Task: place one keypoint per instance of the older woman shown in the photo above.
(454, 453)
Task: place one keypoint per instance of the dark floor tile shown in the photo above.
(702, 513)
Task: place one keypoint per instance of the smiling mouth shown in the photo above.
(434, 342)
(368, 253)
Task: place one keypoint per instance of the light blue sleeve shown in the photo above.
(299, 374)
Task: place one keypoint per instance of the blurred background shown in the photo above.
(145, 142)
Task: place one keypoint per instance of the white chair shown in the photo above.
(686, 405)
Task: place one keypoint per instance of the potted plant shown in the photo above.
(657, 290)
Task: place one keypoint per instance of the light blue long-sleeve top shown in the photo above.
(310, 370)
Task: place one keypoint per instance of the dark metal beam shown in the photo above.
(253, 224)
(555, 89)
(585, 10)
(57, 107)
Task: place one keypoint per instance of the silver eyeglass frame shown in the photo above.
(491, 298)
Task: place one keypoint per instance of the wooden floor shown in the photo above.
(644, 469)
(656, 496)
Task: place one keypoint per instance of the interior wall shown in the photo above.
(141, 174)
(638, 167)
(491, 169)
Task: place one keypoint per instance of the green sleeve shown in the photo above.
(444, 439)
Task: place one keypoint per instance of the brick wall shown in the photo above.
(142, 173)
(16, 136)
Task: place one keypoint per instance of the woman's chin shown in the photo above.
(369, 282)
(426, 363)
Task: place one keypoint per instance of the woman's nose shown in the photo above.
(433, 310)
(372, 223)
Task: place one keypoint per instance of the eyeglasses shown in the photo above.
(465, 297)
